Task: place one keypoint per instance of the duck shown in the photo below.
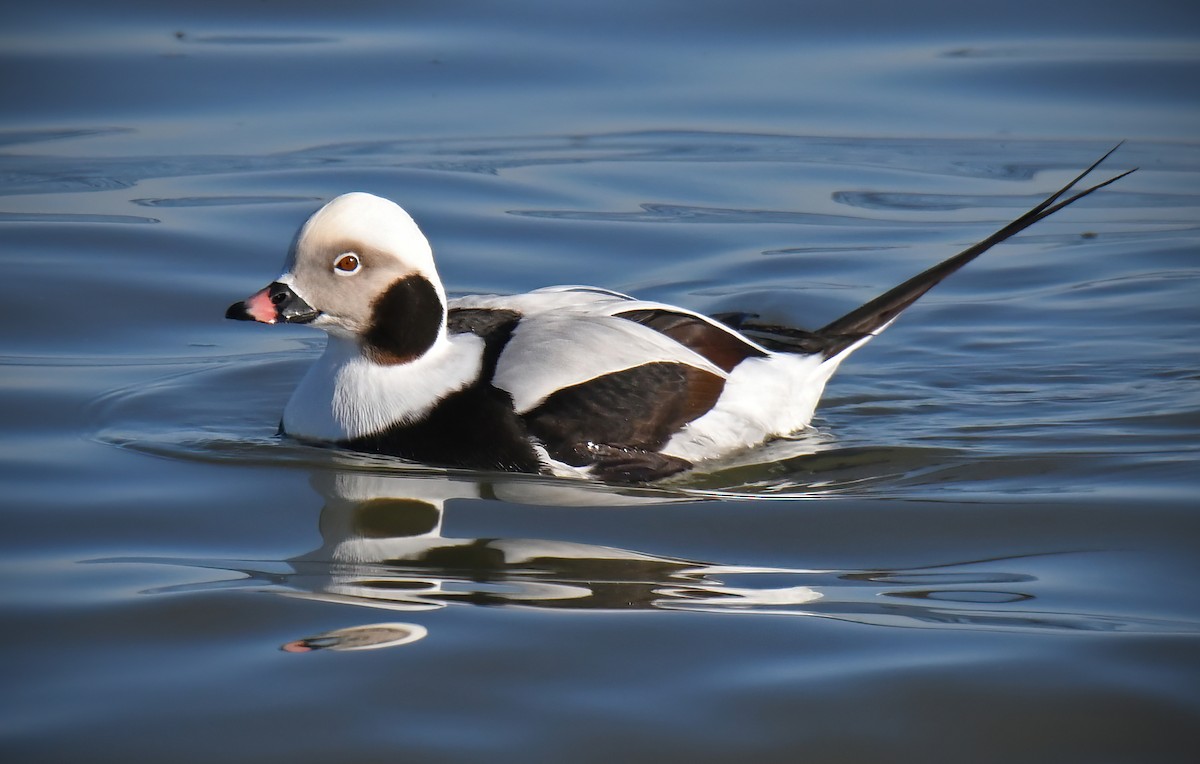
(573, 381)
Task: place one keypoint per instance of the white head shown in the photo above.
(360, 268)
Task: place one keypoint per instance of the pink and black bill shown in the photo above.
(275, 304)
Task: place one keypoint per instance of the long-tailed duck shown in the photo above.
(564, 380)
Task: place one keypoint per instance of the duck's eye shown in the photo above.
(346, 264)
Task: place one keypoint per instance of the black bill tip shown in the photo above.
(238, 312)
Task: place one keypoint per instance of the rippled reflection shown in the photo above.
(383, 547)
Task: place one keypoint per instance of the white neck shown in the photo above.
(346, 395)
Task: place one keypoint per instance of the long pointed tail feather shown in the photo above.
(857, 326)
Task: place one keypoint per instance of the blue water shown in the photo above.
(986, 549)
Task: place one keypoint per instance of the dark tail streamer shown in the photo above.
(871, 317)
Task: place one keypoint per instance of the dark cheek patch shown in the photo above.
(405, 321)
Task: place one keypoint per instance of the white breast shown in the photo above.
(345, 395)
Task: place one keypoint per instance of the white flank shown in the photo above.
(764, 398)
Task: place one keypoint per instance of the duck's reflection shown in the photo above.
(383, 547)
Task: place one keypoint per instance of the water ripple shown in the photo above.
(422, 571)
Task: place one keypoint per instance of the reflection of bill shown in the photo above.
(359, 638)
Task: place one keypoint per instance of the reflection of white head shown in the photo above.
(434, 488)
(370, 517)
